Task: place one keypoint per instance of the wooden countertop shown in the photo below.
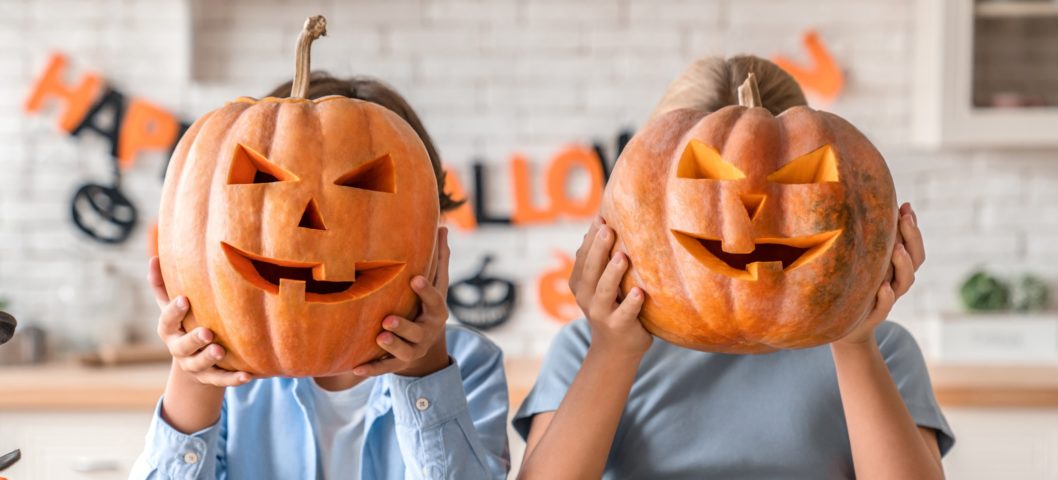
(74, 387)
(71, 387)
(996, 386)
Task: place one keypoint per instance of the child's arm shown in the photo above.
(451, 418)
(886, 442)
(185, 428)
(574, 441)
(195, 389)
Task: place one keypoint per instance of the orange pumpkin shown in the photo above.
(751, 232)
(294, 227)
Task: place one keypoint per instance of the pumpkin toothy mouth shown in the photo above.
(272, 275)
(790, 253)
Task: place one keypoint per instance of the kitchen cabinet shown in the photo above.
(984, 74)
(73, 445)
(1002, 443)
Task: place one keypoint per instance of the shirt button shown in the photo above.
(422, 404)
(190, 457)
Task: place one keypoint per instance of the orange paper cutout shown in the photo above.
(462, 217)
(823, 77)
(145, 127)
(555, 296)
(78, 98)
(522, 186)
(565, 162)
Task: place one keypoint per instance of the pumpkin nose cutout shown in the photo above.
(312, 218)
(752, 204)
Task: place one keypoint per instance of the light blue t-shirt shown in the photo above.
(693, 415)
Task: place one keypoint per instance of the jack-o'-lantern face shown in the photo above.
(250, 168)
(294, 227)
(736, 248)
(751, 232)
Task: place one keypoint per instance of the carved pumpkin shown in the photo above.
(294, 227)
(751, 232)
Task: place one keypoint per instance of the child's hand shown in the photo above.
(908, 254)
(417, 347)
(193, 351)
(596, 284)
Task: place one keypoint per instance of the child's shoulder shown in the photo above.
(892, 336)
(571, 342)
(465, 344)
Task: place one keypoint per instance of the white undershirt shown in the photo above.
(340, 428)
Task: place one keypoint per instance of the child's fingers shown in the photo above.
(912, 237)
(223, 378)
(443, 254)
(204, 360)
(171, 318)
(883, 303)
(904, 271)
(582, 251)
(378, 367)
(630, 305)
(907, 209)
(397, 347)
(434, 308)
(606, 292)
(187, 345)
(406, 329)
(154, 277)
(596, 260)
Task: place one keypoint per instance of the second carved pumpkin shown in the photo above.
(751, 232)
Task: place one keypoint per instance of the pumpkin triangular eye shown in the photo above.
(249, 166)
(700, 161)
(821, 165)
(378, 175)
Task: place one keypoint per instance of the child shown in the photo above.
(436, 409)
(612, 401)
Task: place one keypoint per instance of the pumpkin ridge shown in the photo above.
(219, 329)
(272, 125)
(238, 361)
(672, 243)
(738, 113)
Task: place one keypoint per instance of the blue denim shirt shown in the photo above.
(450, 424)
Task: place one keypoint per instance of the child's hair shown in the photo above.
(371, 90)
(711, 83)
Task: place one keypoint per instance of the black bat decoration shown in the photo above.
(103, 213)
(482, 301)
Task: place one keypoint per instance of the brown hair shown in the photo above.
(375, 91)
(711, 83)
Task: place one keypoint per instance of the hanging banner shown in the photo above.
(130, 125)
(822, 77)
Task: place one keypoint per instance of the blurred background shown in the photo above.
(521, 96)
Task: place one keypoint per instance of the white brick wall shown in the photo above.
(490, 78)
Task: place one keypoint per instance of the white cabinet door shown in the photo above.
(75, 446)
(998, 443)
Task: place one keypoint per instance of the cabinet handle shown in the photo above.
(96, 465)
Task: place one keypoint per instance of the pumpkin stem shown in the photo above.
(748, 93)
(315, 27)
